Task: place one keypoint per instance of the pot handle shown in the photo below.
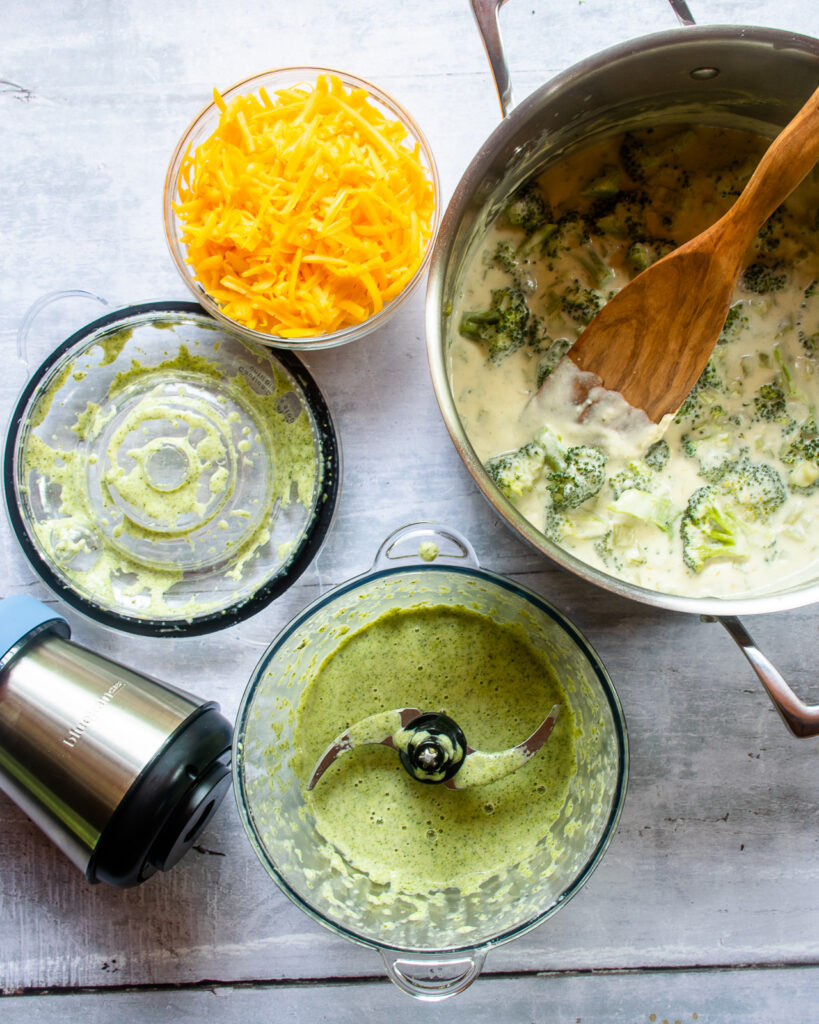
(419, 543)
(432, 979)
(802, 719)
(487, 15)
(684, 15)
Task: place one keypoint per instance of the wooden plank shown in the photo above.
(667, 997)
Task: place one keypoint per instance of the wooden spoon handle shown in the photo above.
(785, 163)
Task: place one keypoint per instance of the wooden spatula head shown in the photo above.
(652, 341)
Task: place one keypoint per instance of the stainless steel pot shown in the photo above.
(736, 76)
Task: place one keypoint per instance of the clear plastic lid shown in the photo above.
(166, 477)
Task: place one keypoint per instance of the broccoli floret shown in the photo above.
(580, 477)
(505, 257)
(770, 404)
(621, 216)
(502, 327)
(658, 455)
(735, 322)
(580, 304)
(515, 472)
(719, 417)
(711, 450)
(716, 521)
(760, 279)
(710, 379)
(607, 552)
(642, 254)
(633, 156)
(574, 474)
(554, 525)
(810, 342)
(805, 445)
(769, 236)
(527, 209)
(572, 231)
(549, 359)
(802, 455)
(605, 184)
(637, 475)
(755, 486)
(808, 338)
(639, 156)
(710, 529)
(718, 517)
(596, 268)
(702, 395)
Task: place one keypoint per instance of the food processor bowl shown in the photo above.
(433, 943)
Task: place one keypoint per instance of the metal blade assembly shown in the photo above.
(433, 748)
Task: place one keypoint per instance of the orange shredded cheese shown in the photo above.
(305, 212)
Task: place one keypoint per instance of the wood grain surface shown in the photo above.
(706, 906)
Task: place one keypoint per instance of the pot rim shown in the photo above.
(485, 575)
(778, 39)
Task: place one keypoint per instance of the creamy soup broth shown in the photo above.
(570, 240)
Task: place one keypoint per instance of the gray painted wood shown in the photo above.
(716, 861)
(684, 997)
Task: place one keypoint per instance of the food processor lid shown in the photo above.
(22, 618)
(164, 476)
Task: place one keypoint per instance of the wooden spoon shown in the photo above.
(651, 342)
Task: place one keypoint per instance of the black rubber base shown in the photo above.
(169, 804)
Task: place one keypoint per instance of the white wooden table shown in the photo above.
(706, 906)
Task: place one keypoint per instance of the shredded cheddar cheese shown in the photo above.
(305, 212)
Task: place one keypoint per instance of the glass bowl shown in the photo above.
(203, 126)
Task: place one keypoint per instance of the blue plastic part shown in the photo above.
(23, 617)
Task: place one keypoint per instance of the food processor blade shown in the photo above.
(433, 749)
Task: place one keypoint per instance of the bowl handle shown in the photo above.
(432, 979)
(34, 311)
(802, 719)
(419, 543)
